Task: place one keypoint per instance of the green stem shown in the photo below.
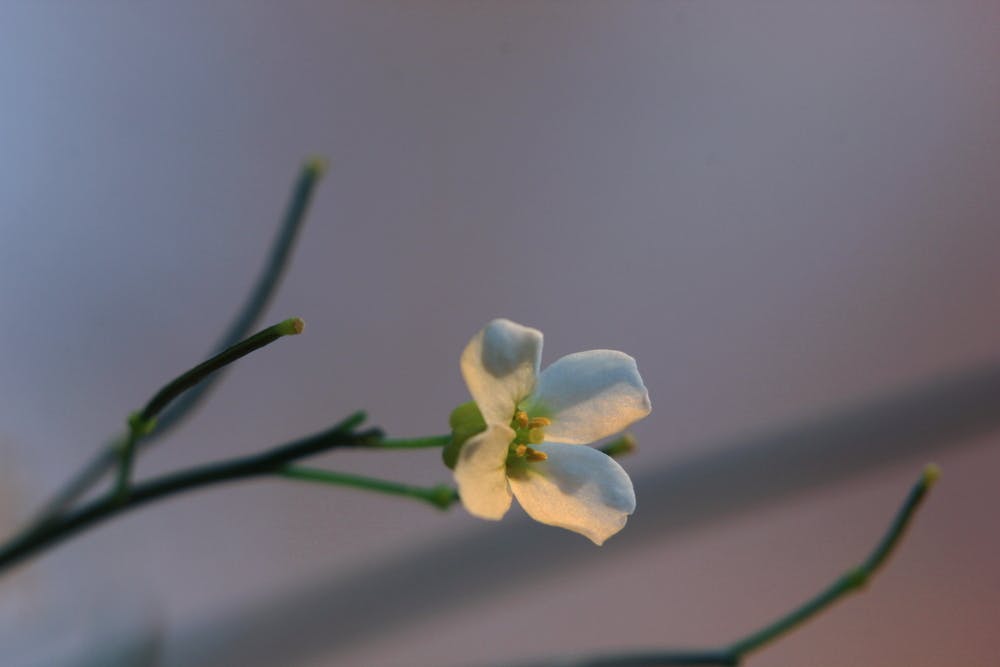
(441, 496)
(41, 536)
(261, 294)
(414, 443)
(279, 256)
(143, 422)
(851, 580)
(125, 463)
(185, 381)
(733, 655)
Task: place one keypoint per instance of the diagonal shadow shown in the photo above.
(738, 477)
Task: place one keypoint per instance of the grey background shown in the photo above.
(779, 208)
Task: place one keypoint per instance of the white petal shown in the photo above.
(500, 365)
(481, 472)
(589, 396)
(578, 488)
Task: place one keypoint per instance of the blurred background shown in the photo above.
(786, 211)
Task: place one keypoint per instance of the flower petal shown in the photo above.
(500, 365)
(578, 488)
(481, 472)
(589, 395)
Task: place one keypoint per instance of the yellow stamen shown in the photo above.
(521, 418)
(521, 450)
(535, 456)
(536, 436)
(539, 422)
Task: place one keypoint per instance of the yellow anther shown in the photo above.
(521, 450)
(539, 422)
(521, 419)
(535, 456)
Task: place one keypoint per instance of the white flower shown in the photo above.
(535, 424)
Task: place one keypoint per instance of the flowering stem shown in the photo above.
(441, 496)
(241, 325)
(40, 536)
(144, 421)
(413, 443)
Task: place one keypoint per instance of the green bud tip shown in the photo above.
(627, 444)
(315, 166)
(291, 327)
(353, 421)
(443, 496)
(931, 474)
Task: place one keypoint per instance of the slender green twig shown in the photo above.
(144, 421)
(126, 453)
(414, 443)
(241, 325)
(851, 580)
(263, 290)
(189, 379)
(441, 496)
(42, 536)
(734, 654)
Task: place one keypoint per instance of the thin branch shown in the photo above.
(46, 535)
(263, 290)
(851, 581)
(414, 443)
(290, 327)
(144, 421)
(441, 496)
(247, 317)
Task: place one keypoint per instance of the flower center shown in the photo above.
(527, 431)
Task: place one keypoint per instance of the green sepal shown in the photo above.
(465, 421)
